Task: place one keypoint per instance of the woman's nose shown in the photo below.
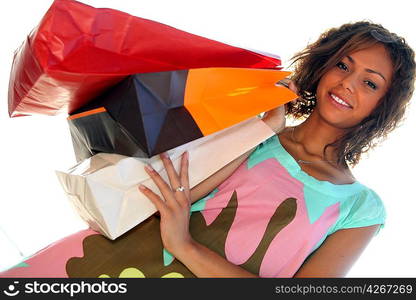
(349, 82)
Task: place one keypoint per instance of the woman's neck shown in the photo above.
(314, 134)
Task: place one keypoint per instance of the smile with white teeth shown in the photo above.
(340, 101)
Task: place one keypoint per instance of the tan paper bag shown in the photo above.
(104, 188)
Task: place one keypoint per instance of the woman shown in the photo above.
(292, 207)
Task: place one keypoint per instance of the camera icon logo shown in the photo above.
(11, 290)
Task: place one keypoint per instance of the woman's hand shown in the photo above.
(175, 207)
(174, 224)
(289, 84)
(275, 118)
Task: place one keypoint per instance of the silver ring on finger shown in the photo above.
(180, 189)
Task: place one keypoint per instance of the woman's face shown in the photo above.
(349, 91)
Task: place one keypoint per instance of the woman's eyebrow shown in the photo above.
(368, 70)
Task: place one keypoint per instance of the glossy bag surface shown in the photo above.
(149, 113)
(77, 51)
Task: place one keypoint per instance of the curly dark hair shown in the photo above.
(330, 48)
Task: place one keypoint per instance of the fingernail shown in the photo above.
(186, 154)
(148, 168)
(142, 187)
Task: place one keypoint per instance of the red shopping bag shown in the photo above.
(77, 51)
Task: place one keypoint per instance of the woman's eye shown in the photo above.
(371, 84)
(342, 66)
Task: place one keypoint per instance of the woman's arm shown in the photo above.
(275, 119)
(204, 262)
(338, 253)
(333, 259)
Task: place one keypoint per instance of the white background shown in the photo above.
(34, 211)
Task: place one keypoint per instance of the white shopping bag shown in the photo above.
(104, 188)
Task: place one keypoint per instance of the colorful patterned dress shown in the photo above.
(268, 217)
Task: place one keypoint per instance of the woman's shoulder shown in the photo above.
(365, 209)
(367, 197)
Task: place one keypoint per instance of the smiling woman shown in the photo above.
(355, 64)
(32, 156)
(345, 80)
(353, 87)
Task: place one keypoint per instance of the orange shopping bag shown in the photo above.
(147, 114)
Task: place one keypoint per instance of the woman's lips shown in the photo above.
(339, 102)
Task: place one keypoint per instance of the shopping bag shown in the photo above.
(150, 113)
(104, 187)
(77, 51)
